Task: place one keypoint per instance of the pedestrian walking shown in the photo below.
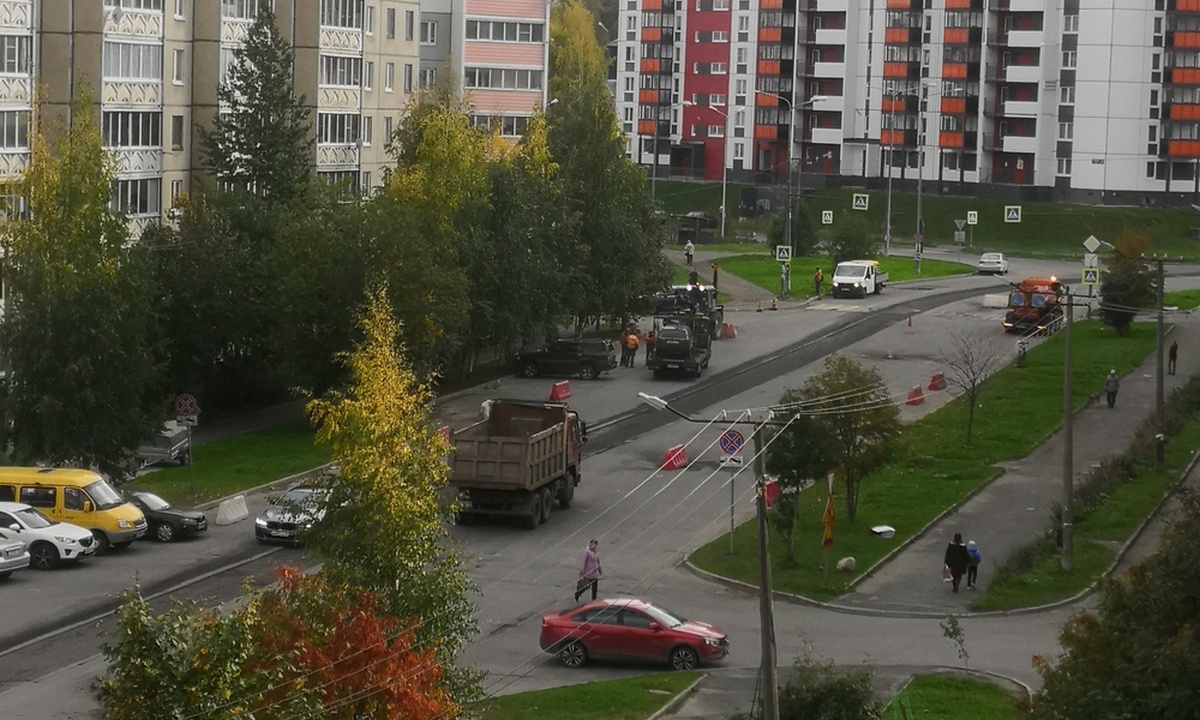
(956, 560)
(689, 252)
(624, 347)
(818, 278)
(650, 340)
(1112, 384)
(1172, 356)
(631, 342)
(973, 564)
(589, 571)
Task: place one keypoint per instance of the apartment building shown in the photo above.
(1062, 99)
(497, 52)
(154, 66)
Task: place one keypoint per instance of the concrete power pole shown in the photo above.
(1158, 377)
(1068, 472)
(765, 609)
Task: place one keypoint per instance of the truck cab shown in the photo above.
(858, 278)
(1034, 305)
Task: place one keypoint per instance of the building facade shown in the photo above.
(154, 66)
(1062, 99)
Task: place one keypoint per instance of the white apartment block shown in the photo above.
(1062, 99)
(154, 66)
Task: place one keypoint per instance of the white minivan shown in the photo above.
(48, 540)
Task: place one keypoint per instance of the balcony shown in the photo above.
(826, 136)
(766, 132)
(1183, 148)
(913, 5)
(902, 70)
(652, 34)
(650, 96)
(895, 104)
(1025, 38)
(344, 156)
(1186, 40)
(1183, 112)
(835, 69)
(898, 138)
(1020, 108)
(902, 36)
(13, 164)
(1184, 5)
(768, 67)
(957, 140)
(1027, 144)
(1023, 73)
(1037, 6)
(964, 4)
(770, 4)
(1185, 76)
(829, 36)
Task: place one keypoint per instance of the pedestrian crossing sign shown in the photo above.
(861, 200)
(826, 217)
(1012, 213)
(1091, 276)
(783, 253)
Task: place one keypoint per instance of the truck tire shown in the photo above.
(588, 372)
(530, 521)
(566, 494)
(547, 506)
(530, 370)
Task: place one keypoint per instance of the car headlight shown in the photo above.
(260, 522)
(189, 521)
(124, 524)
(64, 540)
(714, 642)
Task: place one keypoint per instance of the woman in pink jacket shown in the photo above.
(589, 571)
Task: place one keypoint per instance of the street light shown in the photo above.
(787, 230)
(766, 612)
(724, 156)
(887, 232)
(922, 97)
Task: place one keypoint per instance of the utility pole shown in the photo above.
(1159, 437)
(765, 609)
(1068, 479)
(887, 232)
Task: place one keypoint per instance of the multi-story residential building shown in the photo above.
(1067, 99)
(153, 68)
(498, 51)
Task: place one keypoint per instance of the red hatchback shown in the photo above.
(627, 628)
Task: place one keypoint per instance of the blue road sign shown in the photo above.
(731, 442)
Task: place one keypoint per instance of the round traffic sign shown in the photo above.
(731, 442)
(185, 406)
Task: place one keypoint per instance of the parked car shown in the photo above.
(585, 358)
(13, 555)
(628, 628)
(167, 522)
(994, 263)
(290, 514)
(48, 540)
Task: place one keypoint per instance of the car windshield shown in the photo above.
(990, 257)
(34, 519)
(851, 271)
(304, 497)
(152, 501)
(103, 495)
(665, 617)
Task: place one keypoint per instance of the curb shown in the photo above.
(676, 702)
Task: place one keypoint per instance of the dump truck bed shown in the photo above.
(519, 447)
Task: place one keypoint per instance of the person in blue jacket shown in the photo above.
(973, 564)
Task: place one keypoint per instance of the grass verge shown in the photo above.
(633, 698)
(934, 468)
(1183, 299)
(948, 697)
(234, 464)
(763, 270)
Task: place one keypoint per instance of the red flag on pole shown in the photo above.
(827, 520)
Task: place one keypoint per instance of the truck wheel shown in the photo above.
(531, 520)
(588, 372)
(547, 505)
(530, 370)
(567, 494)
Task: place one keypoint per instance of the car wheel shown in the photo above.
(101, 541)
(164, 531)
(573, 655)
(547, 505)
(43, 556)
(530, 370)
(684, 658)
(588, 372)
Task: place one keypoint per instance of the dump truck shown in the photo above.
(172, 443)
(691, 299)
(858, 277)
(682, 343)
(1035, 305)
(519, 460)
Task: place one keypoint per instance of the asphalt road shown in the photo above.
(646, 521)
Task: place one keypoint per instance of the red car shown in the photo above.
(627, 628)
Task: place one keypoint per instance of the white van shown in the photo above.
(858, 278)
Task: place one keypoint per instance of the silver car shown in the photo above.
(13, 555)
(993, 263)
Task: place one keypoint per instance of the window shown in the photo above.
(365, 183)
(428, 32)
(369, 19)
(239, 9)
(1064, 166)
(502, 79)
(342, 13)
(73, 499)
(719, 68)
(408, 77)
(176, 190)
(337, 128)
(177, 67)
(716, 131)
(387, 130)
(1066, 131)
(340, 71)
(391, 23)
(410, 21)
(389, 76)
(179, 15)
(500, 31)
(132, 61)
(505, 125)
(739, 151)
(427, 77)
(153, 5)
(39, 497)
(1070, 23)
(367, 130)
(14, 130)
(176, 132)
(720, 36)
(137, 197)
(131, 129)
(369, 75)
(1068, 59)
(1066, 95)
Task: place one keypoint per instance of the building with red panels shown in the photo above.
(704, 128)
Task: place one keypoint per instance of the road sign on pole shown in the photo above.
(731, 442)
(826, 217)
(1012, 213)
(1091, 276)
(1091, 260)
(861, 200)
(186, 406)
(972, 217)
(783, 253)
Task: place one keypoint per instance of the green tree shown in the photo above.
(384, 530)
(801, 454)
(1137, 654)
(608, 207)
(805, 238)
(261, 144)
(78, 321)
(853, 239)
(1127, 286)
(851, 404)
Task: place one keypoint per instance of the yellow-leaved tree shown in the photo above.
(384, 528)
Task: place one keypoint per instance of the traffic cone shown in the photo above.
(774, 304)
(759, 306)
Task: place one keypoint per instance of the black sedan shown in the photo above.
(167, 522)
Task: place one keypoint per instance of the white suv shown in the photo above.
(49, 541)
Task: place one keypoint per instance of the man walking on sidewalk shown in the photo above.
(1111, 385)
(1172, 356)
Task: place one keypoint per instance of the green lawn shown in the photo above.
(763, 270)
(1183, 299)
(934, 468)
(1045, 230)
(229, 466)
(626, 699)
(949, 697)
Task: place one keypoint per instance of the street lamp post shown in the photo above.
(724, 157)
(787, 229)
(887, 231)
(766, 610)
